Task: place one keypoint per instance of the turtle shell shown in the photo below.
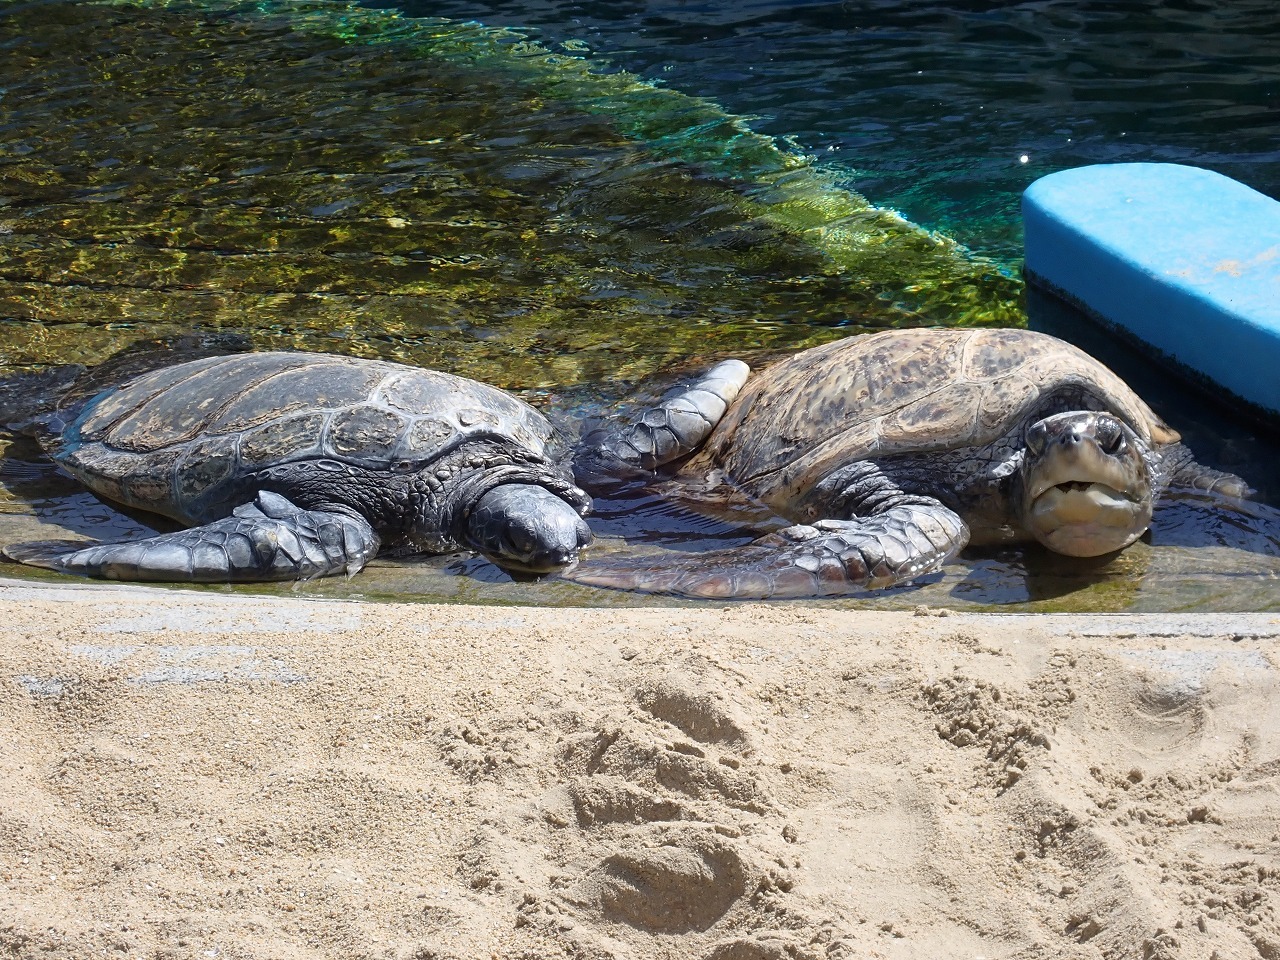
(171, 440)
(901, 392)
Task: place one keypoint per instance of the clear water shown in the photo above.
(331, 177)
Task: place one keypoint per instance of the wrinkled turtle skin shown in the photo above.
(295, 465)
(892, 451)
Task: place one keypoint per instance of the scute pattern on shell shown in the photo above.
(170, 438)
(899, 391)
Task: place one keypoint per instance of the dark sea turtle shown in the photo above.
(298, 465)
(892, 451)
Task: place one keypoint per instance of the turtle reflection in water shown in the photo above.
(892, 451)
(294, 465)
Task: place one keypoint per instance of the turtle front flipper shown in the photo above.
(268, 539)
(674, 428)
(1195, 478)
(829, 558)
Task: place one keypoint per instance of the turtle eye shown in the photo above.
(1114, 443)
(1036, 435)
(524, 542)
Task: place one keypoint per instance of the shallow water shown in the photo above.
(323, 177)
(326, 177)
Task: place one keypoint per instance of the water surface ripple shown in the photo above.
(929, 107)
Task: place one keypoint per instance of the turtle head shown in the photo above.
(1087, 483)
(527, 529)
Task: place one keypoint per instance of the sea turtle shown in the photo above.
(891, 451)
(298, 465)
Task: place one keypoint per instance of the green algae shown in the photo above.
(327, 177)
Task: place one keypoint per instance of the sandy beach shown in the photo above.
(198, 775)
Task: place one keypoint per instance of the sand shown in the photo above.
(206, 776)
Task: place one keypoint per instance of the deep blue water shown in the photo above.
(930, 108)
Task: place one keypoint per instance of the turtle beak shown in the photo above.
(527, 529)
(1085, 448)
(1087, 483)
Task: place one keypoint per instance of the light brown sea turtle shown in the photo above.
(891, 451)
(298, 465)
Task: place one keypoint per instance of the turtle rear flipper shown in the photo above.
(830, 558)
(42, 553)
(268, 539)
(674, 428)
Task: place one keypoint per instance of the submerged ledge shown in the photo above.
(324, 176)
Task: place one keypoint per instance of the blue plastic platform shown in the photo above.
(1183, 260)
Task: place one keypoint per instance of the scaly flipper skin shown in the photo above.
(674, 428)
(829, 558)
(268, 539)
(1193, 477)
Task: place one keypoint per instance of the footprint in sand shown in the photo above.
(687, 882)
(659, 821)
